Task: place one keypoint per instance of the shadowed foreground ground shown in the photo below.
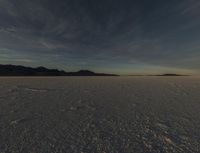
(99, 115)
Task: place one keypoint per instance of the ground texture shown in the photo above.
(100, 115)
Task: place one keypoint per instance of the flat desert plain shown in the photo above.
(99, 114)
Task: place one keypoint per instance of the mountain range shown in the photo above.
(18, 70)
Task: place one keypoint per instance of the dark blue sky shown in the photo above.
(118, 36)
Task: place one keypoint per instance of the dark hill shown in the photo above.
(171, 74)
(13, 70)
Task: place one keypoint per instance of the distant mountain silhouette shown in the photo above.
(88, 73)
(167, 74)
(15, 70)
(171, 74)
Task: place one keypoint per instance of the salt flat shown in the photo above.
(99, 114)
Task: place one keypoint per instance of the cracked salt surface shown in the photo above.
(100, 114)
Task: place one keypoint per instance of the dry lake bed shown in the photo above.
(99, 114)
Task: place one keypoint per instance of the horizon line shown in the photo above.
(128, 74)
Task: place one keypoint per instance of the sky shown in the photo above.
(115, 36)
